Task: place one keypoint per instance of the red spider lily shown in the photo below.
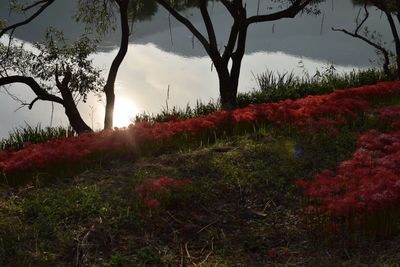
(151, 203)
(367, 183)
(151, 189)
(312, 113)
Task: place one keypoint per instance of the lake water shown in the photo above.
(155, 63)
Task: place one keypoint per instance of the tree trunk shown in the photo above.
(229, 79)
(110, 103)
(75, 119)
(227, 90)
(396, 40)
(67, 100)
(72, 112)
(112, 75)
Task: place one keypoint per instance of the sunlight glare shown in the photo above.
(124, 112)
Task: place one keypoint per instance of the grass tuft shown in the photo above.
(20, 136)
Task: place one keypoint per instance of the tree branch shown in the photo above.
(363, 20)
(209, 26)
(34, 4)
(290, 12)
(29, 19)
(378, 47)
(30, 106)
(356, 35)
(185, 22)
(41, 93)
(229, 7)
(231, 42)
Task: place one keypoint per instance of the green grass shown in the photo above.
(273, 87)
(32, 134)
(242, 209)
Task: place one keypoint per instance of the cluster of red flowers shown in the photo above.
(391, 115)
(66, 152)
(312, 112)
(367, 183)
(152, 189)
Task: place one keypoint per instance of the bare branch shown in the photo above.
(231, 42)
(363, 20)
(296, 7)
(207, 21)
(356, 35)
(377, 46)
(229, 7)
(16, 99)
(34, 4)
(36, 88)
(185, 22)
(30, 106)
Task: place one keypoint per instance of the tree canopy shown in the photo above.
(54, 71)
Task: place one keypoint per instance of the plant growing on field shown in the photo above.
(152, 190)
(325, 112)
(364, 193)
(22, 136)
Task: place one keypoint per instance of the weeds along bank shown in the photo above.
(308, 115)
(234, 204)
(274, 87)
(361, 198)
(271, 88)
(33, 134)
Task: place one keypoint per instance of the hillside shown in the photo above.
(220, 194)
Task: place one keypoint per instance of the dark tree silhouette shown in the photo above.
(58, 73)
(228, 59)
(391, 10)
(100, 15)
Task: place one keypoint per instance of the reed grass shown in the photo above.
(274, 86)
(22, 135)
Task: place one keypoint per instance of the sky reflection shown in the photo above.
(153, 64)
(148, 71)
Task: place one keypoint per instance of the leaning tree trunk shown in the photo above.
(67, 100)
(112, 75)
(72, 112)
(75, 119)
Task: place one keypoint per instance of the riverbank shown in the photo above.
(229, 197)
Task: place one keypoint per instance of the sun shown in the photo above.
(124, 111)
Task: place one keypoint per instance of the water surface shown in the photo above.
(156, 62)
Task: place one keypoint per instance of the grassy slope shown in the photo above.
(96, 219)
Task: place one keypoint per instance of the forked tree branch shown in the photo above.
(41, 93)
(203, 40)
(377, 46)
